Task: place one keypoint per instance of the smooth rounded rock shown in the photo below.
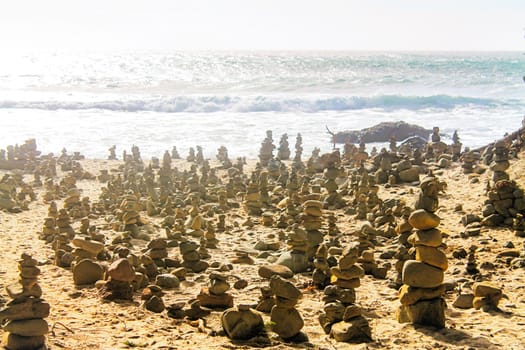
(423, 220)
(286, 322)
(421, 275)
(87, 272)
(267, 271)
(241, 323)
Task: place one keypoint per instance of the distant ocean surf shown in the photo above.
(90, 101)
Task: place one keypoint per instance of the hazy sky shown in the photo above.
(263, 24)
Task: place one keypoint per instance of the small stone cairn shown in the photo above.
(266, 151)
(23, 318)
(286, 320)
(341, 317)
(118, 287)
(191, 257)
(505, 200)
(421, 295)
(284, 150)
(241, 322)
(215, 295)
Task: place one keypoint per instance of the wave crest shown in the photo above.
(249, 104)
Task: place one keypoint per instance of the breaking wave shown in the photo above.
(269, 103)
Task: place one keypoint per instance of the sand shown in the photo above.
(79, 319)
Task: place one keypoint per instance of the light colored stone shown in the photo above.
(27, 328)
(429, 238)
(421, 275)
(267, 271)
(87, 272)
(423, 220)
(240, 323)
(286, 322)
(432, 256)
(121, 270)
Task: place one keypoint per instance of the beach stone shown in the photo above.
(296, 262)
(349, 284)
(421, 275)
(424, 312)
(87, 272)
(423, 220)
(188, 247)
(432, 256)
(154, 304)
(410, 295)
(354, 271)
(218, 286)
(121, 270)
(17, 342)
(353, 330)
(284, 289)
(267, 271)
(27, 309)
(286, 322)
(93, 247)
(351, 311)
(486, 295)
(241, 322)
(207, 299)
(429, 238)
(409, 175)
(464, 301)
(27, 328)
(167, 280)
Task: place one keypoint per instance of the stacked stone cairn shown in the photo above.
(266, 151)
(333, 199)
(505, 200)
(118, 287)
(468, 162)
(500, 162)
(112, 153)
(312, 220)
(321, 273)
(23, 318)
(285, 319)
(215, 295)
(456, 146)
(241, 322)
(297, 161)
(341, 317)
(421, 295)
(191, 258)
(253, 203)
(486, 296)
(130, 208)
(283, 153)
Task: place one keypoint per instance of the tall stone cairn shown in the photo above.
(23, 317)
(341, 317)
(421, 294)
(267, 147)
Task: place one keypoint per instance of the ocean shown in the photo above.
(88, 102)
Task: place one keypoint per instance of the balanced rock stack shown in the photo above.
(312, 223)
(341, 317)
(23, 317)
(63, 222)
(500, 162)
(333, 200)
(130, 207)
(421, 295)
(295, 259)
(284, 150)
(297, 161)
(86, 248)
(321, 273)
(486, 296)
(253, 203)
(286, 320)
(215, 295)
(48, 230)
(242, 322)
(191, 257)
(266, 151)
(468, 161)
(121, 273)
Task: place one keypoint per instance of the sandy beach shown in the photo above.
(80, 319)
